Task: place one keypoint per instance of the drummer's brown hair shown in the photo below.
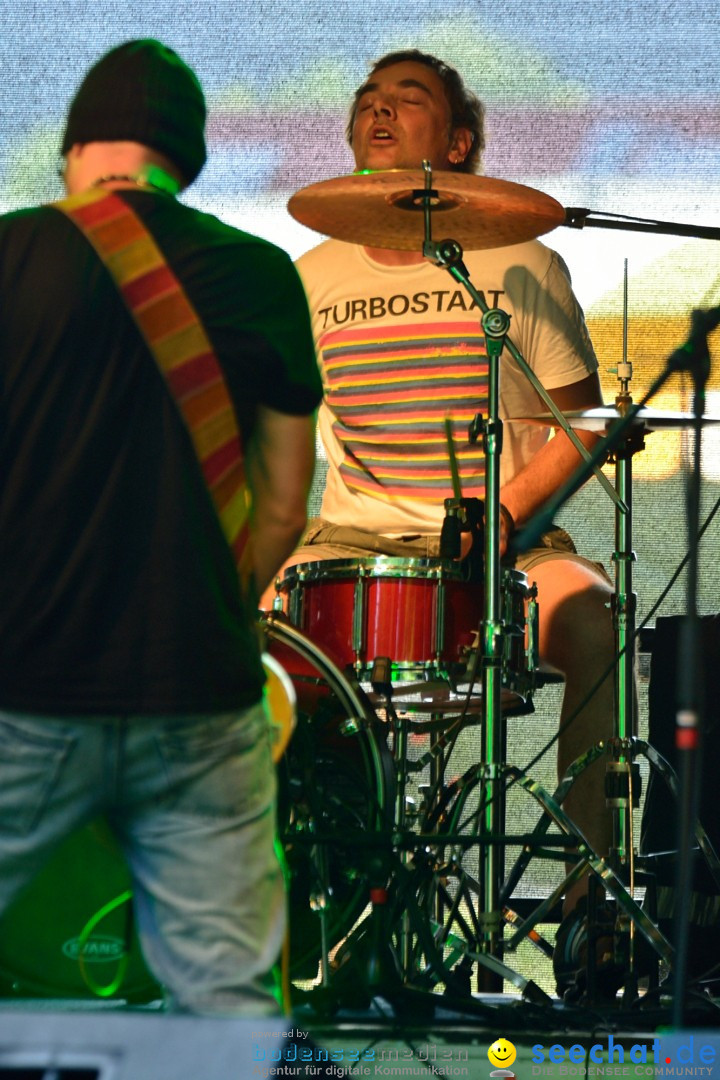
(467, 111)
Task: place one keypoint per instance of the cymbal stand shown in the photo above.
(496, 323)
(622, 777)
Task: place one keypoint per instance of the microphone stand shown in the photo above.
(694, 357)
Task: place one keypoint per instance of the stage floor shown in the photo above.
(408, 1035)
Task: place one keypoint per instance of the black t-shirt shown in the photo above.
(118, 593)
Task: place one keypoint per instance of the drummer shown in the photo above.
(401, 348)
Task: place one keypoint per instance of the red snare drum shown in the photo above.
(420, 613)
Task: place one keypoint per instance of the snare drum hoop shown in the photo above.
(372, 566)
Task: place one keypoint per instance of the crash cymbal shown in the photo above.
(600, 418)
(383, 209)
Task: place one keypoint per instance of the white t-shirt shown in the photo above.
(401, 351)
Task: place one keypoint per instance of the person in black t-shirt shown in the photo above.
(130, 674)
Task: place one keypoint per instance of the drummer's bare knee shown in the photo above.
(576, 628)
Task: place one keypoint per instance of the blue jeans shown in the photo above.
(191, 801)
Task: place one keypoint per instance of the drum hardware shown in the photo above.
(391, 915)
(400, 229)
(417, 930)
(577, 217)
(422, 615)
(456, 813)
(376, 189)
(622, 779)
(462, 515)
(512, 918)
(603, 418)
(381, 681)
(432, 906)
(624, 429)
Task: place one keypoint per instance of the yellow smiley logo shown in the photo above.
(502, 1053)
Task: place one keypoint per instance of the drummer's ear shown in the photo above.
(460, 146)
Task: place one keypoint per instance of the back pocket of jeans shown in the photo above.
(30, 763)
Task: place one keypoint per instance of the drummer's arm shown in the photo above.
(556, 461)
(280, 463)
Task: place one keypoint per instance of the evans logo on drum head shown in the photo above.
(98, 949)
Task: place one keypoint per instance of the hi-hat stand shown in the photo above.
(692, 357)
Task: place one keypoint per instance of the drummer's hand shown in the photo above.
(507, 528)
(466, 539)
(466, 543)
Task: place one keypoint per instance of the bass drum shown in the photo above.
(70, 934)
(336, 782)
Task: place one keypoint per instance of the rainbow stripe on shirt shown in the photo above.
(390, 389)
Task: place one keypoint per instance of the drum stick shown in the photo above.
(454, 473)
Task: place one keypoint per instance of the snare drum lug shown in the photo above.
(532, 650)
(358, 623)
(439, 620)
(295, 604)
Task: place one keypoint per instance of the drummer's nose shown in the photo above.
(383, 105)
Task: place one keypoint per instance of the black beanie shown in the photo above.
(142, 91)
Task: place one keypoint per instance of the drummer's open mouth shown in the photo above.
(381, 134)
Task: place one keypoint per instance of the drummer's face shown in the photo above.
(402, 118)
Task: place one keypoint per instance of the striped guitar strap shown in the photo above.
(175, 336)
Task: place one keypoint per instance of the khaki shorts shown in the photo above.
(323, 540)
